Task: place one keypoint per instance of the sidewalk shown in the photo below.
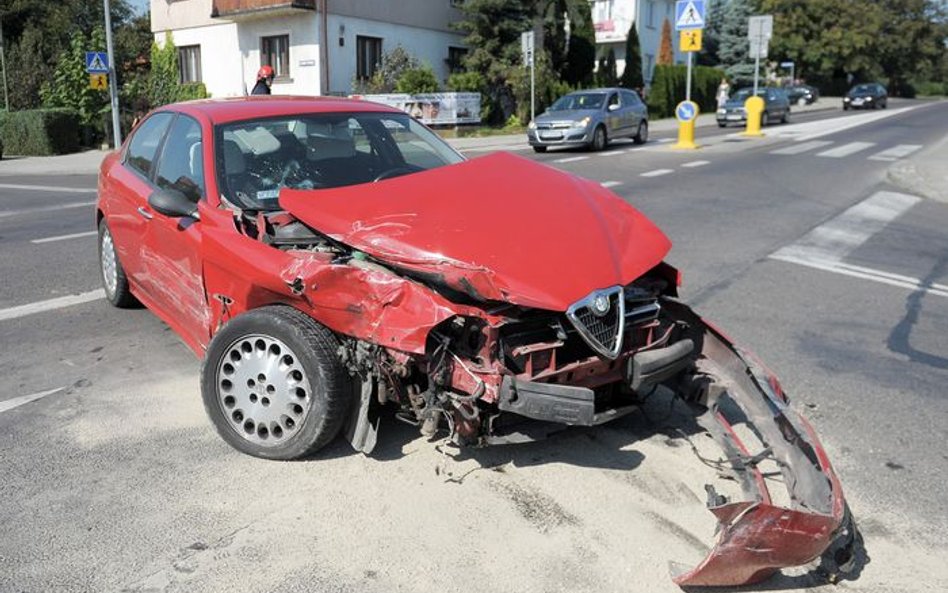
(87, 162)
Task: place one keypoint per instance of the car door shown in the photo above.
(170, 250)
(130, 187)
(613, 115)
(635, 110)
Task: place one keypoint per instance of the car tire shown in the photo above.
(114, 280)
(764, 119)
(785, 117)
(273, 384)
(885, 104)
(641, 135)
(845, 107)
(599, 140)
(722, 125)
(539, 149)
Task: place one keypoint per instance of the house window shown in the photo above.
(189, 63)
(275, 52)
(456, 58)
(649, 62)
(368, 56)
(651, 14)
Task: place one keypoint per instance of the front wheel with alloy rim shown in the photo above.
(113, 276)
(641, 136)
(599, 140)
(273, 384)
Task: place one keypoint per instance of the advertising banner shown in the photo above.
(434, 108)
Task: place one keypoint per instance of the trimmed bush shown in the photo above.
(39, 132)
(931, 89)
(668, 89)
(418, 81)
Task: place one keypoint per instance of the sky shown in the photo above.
(140, 6)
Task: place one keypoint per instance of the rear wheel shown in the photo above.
(599, 139)
(273, 385)
(114, 281)
(539, 149)
(785, 117)
(764, 119)
(641, 136)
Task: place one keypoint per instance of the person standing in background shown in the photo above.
(724, 91)
(264, 80)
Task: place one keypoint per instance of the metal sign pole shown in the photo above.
(3, 64)
(113, 83)
(688, 84)
(533, 72)
(756, 67)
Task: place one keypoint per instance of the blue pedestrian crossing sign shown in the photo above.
(97, 62)
(686, 111)
(689, 14)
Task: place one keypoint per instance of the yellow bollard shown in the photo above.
(687, 113)
(754, 108)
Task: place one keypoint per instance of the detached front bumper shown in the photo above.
(746, 412)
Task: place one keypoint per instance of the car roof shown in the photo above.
(600, 90)
(219, 111)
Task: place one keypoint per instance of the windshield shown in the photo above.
(255, 159)
(862, 89)
(745, 93)
(579, 101)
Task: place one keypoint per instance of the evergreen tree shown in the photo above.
(632, 75)
(666, 55)
(609, 75)
(581, 53)
(734, 50)
(714, 21)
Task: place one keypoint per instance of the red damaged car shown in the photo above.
(325, 257)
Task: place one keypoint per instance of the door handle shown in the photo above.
(145, 213)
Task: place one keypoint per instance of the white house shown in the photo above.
(316, 47)
(612, 19)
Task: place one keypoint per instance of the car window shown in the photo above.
(630, 98)
(613, 99)
(144, 143)
(181, 166)
(256, 159)
(579, 101)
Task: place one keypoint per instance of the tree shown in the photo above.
(714, 21)
(69, 86)
(734, 50)
(608, 75)
(492, 30)
(666, 55)
(581, 51)
(632, 75)
(387, 72)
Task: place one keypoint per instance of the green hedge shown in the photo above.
(39, 132)
(668, 89)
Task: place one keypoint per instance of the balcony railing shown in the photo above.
(230, 8)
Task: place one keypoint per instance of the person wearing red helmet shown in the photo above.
(264, 80)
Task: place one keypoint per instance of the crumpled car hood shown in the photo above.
(499, 227)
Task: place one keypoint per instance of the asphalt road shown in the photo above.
(795, 244)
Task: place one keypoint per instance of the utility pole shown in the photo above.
(3, 64)
(113, 81)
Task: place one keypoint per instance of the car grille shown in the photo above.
(601, 326)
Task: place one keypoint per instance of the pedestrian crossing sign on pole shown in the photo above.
(97, 62)
(689, 14)
(689, 40)
(98, 82)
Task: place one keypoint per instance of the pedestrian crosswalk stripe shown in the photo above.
(846, 149)
(802, 147)
(896, 152)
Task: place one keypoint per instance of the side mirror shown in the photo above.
(613, 107)
(171, 202)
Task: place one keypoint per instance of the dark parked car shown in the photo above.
(590, 118)
(870, 95)
(776, 106)
(802, 94)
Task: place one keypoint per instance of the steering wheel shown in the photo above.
(395, 172)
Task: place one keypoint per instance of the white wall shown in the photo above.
(221, 69)
(304, 47)
(428, 45)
